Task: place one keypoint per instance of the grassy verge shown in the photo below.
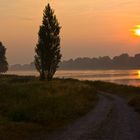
(29, 107)
(130, 93)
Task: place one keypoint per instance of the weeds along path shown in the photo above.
(112, 119)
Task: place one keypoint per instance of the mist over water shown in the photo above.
(126, 77)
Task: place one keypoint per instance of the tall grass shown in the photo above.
(27, 104)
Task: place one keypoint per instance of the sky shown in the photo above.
(90, 28)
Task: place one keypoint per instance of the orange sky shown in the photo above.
(89, 27)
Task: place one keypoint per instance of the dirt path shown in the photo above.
(112, 119)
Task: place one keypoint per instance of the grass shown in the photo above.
(29, 107)
(130, 93)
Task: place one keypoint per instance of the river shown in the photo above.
(127, 77)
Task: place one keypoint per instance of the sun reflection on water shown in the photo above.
(139, 74)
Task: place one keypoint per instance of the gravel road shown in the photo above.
(111, 119)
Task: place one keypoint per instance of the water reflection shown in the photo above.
(128, 77)
(139, 74)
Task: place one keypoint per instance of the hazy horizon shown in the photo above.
(89, 28)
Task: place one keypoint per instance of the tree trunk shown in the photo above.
(42, 76)
(49, 75)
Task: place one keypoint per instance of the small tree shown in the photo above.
(47, 50)
(3, 61)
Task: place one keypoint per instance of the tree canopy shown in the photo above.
(47, 49)
(3, 61)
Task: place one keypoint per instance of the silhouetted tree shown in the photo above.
(123, 61)
(3, 61)
(47, 50)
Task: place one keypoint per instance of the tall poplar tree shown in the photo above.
(47, 49)
(3, 61)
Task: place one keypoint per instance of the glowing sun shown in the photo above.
(136, 30)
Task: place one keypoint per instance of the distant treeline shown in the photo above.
(23, 67)
(124, 61)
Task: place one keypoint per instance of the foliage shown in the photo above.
(3, 61)
(47, 50)
(123, 61)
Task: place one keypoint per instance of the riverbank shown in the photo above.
(29, 107)
(126, 77)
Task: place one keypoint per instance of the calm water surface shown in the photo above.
(127, 77)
